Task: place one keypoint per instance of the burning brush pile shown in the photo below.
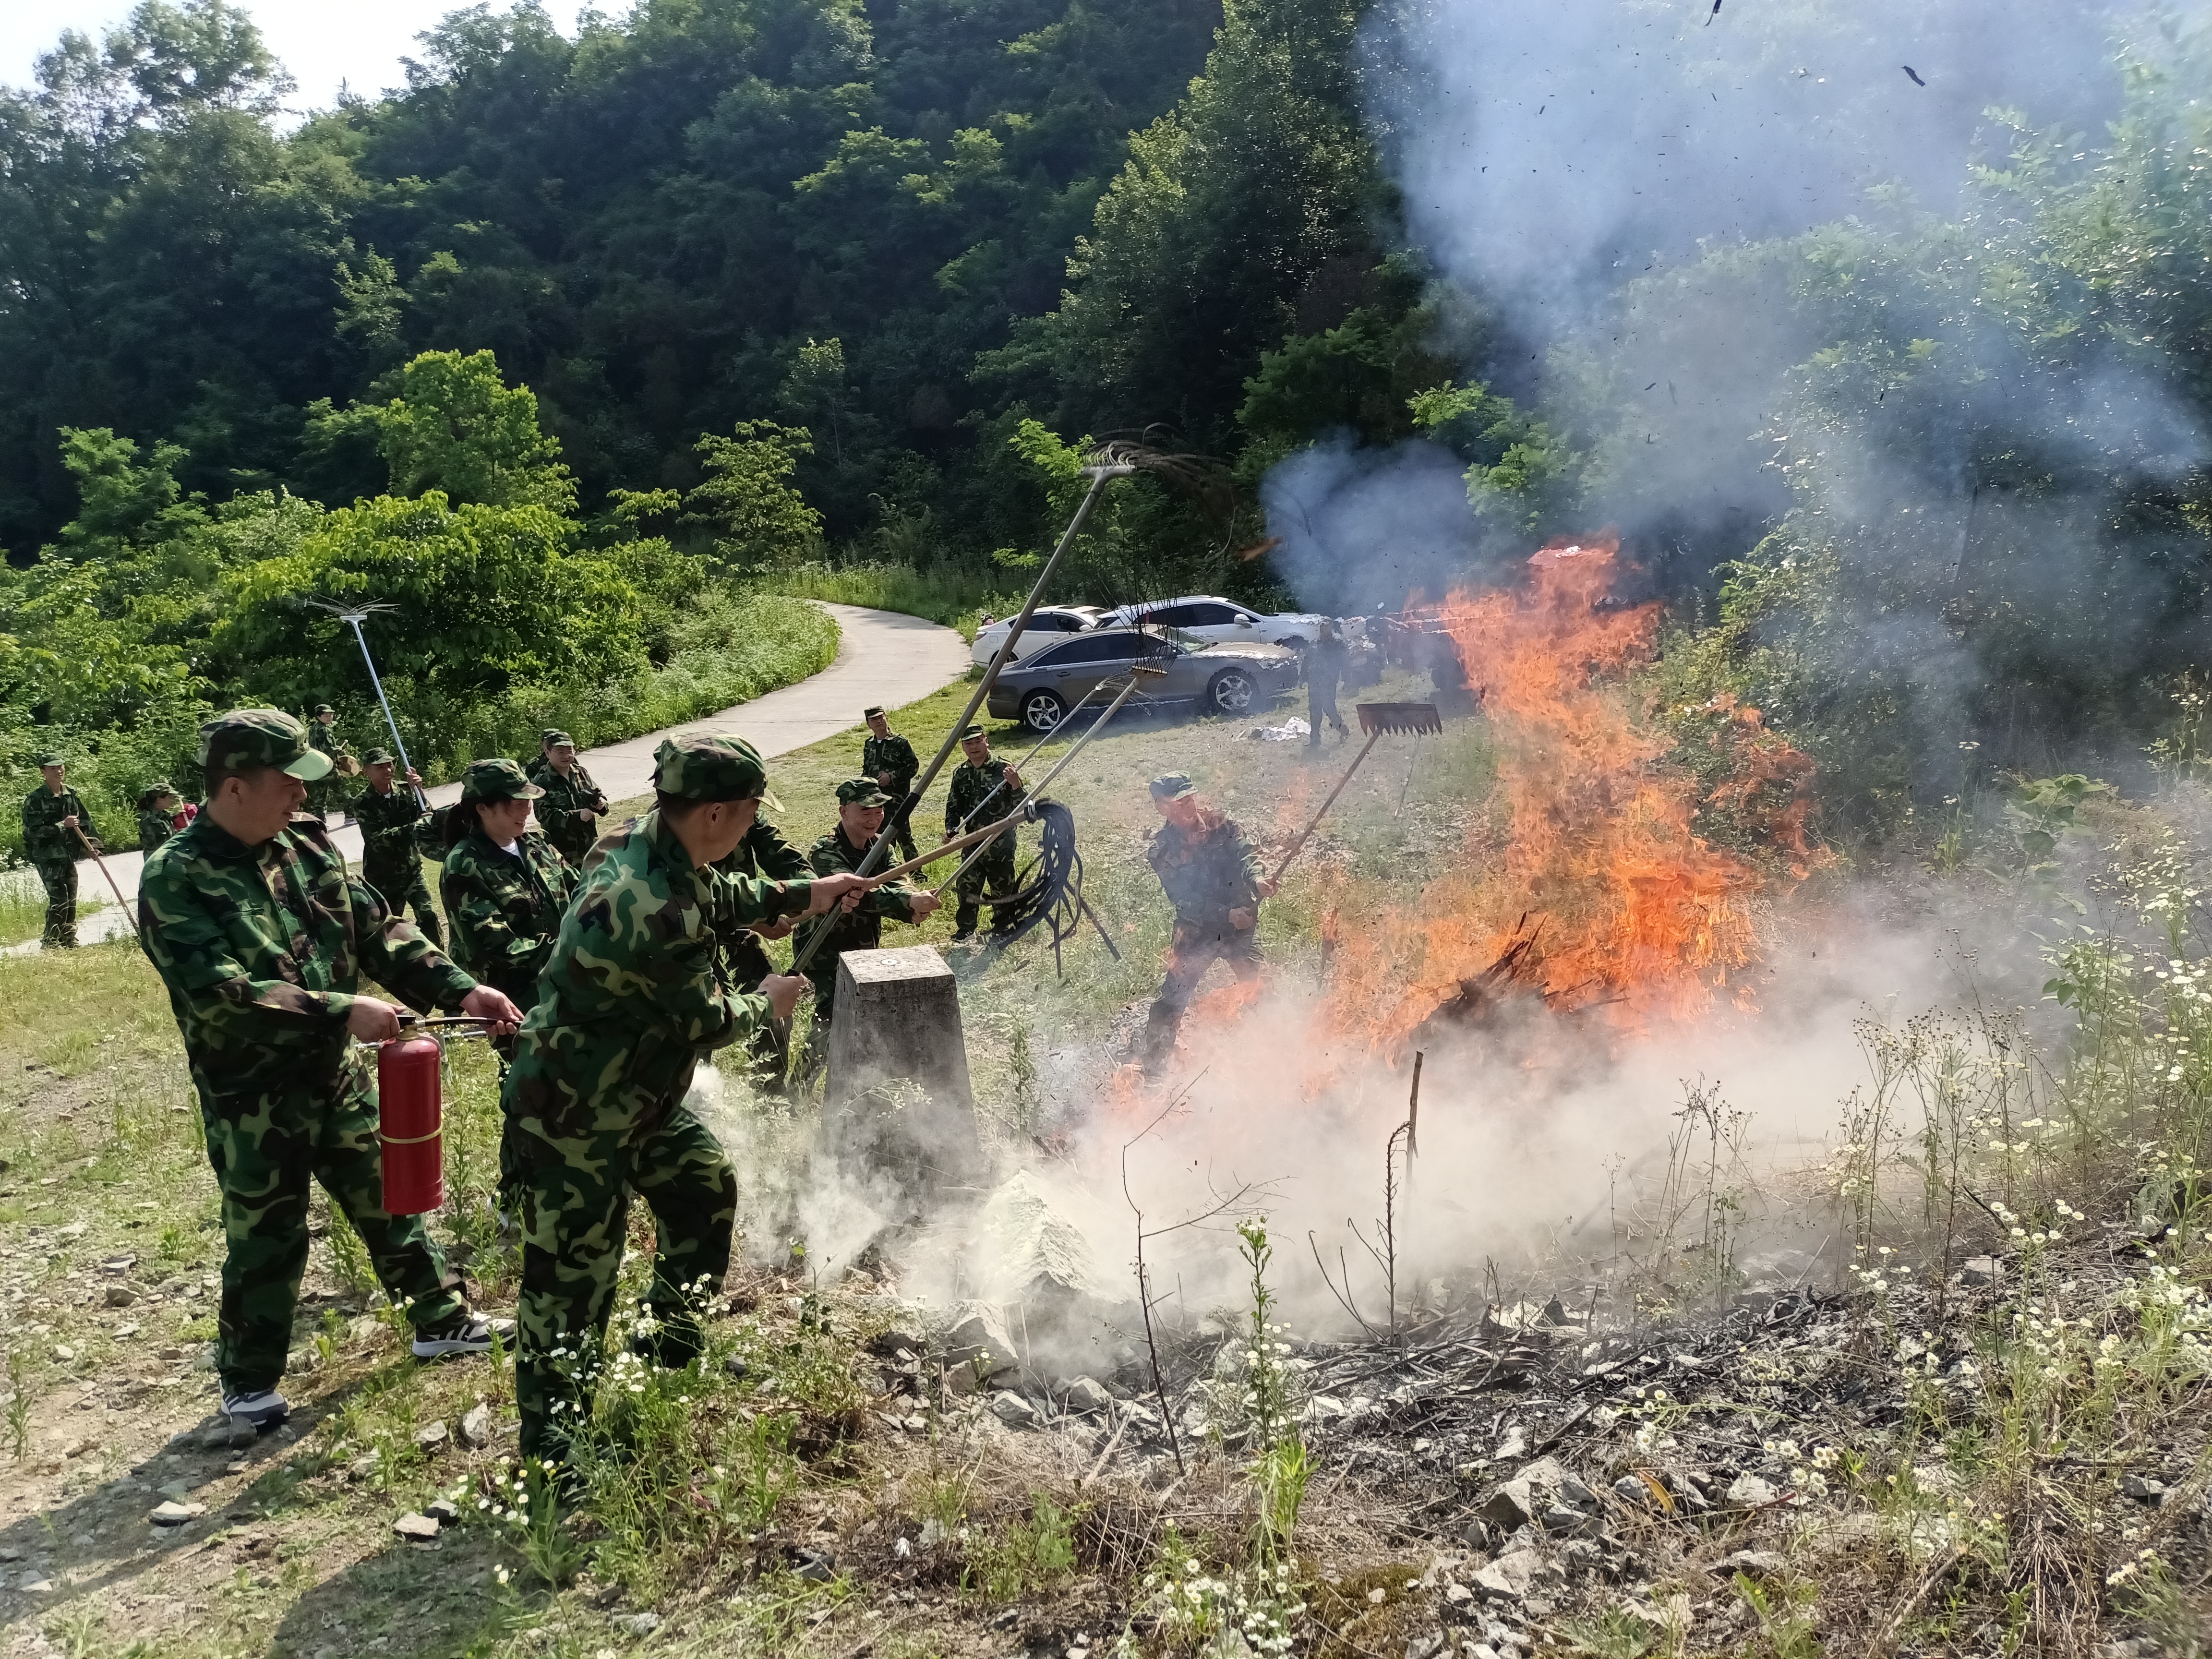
(1591, 889)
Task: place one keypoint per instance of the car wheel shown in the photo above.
(1042, 711)
(1230, 692)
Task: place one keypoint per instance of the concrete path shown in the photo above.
(882, 657)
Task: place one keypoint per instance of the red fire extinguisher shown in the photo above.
(410, 1124)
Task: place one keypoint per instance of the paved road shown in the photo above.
(881, 657)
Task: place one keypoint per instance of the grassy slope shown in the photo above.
(98, 1133)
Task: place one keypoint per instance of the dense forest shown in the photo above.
(574, 348)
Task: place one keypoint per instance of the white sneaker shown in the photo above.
(463, 1333)
(264, 1409)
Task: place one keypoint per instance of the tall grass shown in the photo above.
(944, 593)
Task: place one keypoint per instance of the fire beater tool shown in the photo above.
(353, 618)
(109, 873)
(1375, 720)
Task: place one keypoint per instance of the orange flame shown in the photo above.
(1639, 914)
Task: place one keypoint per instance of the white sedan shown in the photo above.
(1049, 625)
(1223, 621)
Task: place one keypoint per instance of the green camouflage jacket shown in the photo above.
(894, 755)
(630, 1000)
(745, 959)
(263, 949)
(45, 840)
(505, 909)
(860, 928)
(392, 827)
(154, 827)
(564, 797)
(971, 787)
(1207, 874)
(326, 739)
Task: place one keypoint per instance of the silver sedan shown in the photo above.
(1227, 679)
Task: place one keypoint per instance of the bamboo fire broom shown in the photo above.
(1376, 719)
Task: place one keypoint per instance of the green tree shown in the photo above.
(456, 426)
(1238, 219)
(758, 521)
(483, 596)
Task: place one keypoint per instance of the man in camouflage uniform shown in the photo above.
(593, 1102)
(570, 810)
(392, 823)
(1214, 879)
(261, 937)
(860, 806)
(503, 884)
(743, 963)
(53, 816)
(322, 737)
(983, 791)
(890, 759)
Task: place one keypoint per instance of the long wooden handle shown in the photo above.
(1298, 846)
(109, 873)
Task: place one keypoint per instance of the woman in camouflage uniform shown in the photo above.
(157, 810)
(503, 885)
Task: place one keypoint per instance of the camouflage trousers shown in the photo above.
(575, 1210)
(1320, 706)
(899, 820)
(765, 1053)
(991, 875)
(264, 1149)
(59, 876)
(1195, 948)
(403, 888)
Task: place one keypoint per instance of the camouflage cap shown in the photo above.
(971, 734)
(52, 757)
(552, 737)
(325, 708)
(1172, 786)
(872, 711)
(861, 792)
(497, 780)
(376, 758)
(711, 766)
(245, 738)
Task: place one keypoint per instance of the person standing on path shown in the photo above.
(862, 803)
(322, 734)
(503, 884)
(262, 936)
(56, 831)
(1215, 881)
(572, 806)
(391, 825)
(1325, 661)
(594, 1101)
(890, 759)
(982, 790)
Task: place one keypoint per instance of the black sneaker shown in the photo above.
(964, 936)
(465, 1332)
(264, 1408)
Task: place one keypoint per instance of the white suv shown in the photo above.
(1221, 621)
(1048, 625)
